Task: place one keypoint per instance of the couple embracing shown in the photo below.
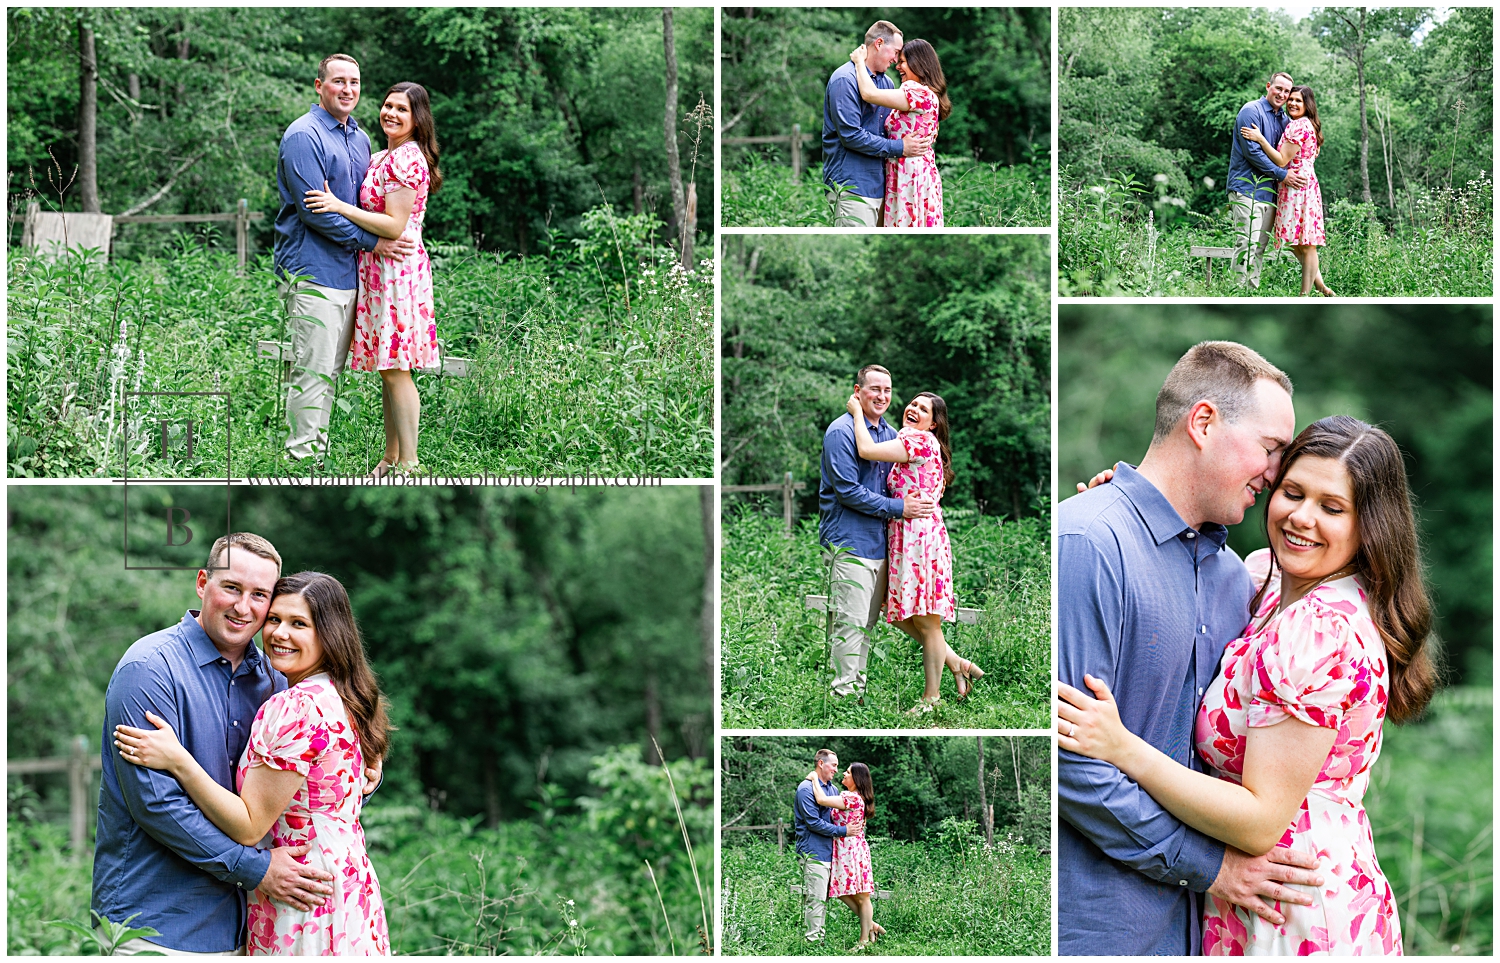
(882, 532)
(829, 823)
(356, 279)
(1237, 705)
(878, 160)
(234, 776)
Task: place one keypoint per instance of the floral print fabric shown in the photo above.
(1299, 213)
(850, 871)
(913, 188)
(393, 320)
(1321, 661)
(305, 729)
(919, 578)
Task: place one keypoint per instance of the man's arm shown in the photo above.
(843, 98)
(843, 474)
(302, 171)
(807, 808)
(1250, 117)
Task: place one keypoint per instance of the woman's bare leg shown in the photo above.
(392, 443)
(404, 412)
(1309, 270)
(927, 631)
(866, 917)
(1317, 271)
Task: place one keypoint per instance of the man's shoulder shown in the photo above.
(1100, 509)
(843, 74)
(152, 651)
(305, 127)
(842, 425)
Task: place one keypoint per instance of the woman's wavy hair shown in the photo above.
(424, 128)
(1388, 560)
(1310, 102)
(940, 430)
(923, 61)
(864, 786)
(343, 656)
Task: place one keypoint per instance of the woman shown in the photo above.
(1299, 212)
(919, 559)
(850, 876)
(1292, 725)
(394, 327)
(300, 776)
(913, 187)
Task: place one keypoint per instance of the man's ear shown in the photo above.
(1200, 418)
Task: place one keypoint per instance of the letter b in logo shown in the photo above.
(174, 523)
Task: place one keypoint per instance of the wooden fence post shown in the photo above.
(242, 233)
(796, 152)
(780, 836)
(786, 502)
(78, 789)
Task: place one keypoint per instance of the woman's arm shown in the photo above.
(869, 449)
(391, 223)
(245, 818)
(895, 99)
(1253, 133)
(828, 802)
(1281, 764)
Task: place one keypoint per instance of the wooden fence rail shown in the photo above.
(79, 764)
(779, 826)
(795, 139)
(787, 487)
(241, 217)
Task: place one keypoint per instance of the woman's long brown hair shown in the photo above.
(343, 657)
(923, 61)
(940, 431)
(1310, 104)
(864, 786)
(1388, 560)
(424, 128)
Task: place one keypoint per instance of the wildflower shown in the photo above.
(1160, 178)
(1097, 189)
(1208, 182)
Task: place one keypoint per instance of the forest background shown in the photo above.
(1147, 99)
(532, 646)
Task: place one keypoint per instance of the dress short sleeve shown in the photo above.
(290, 732)
(919, 97)
(408, 167)
(1311, 667)
(921, 446)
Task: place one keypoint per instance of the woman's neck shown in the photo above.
(391, 143)
(303, 677)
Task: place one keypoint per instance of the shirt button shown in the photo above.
(235, 723)
(1190, 535)
(1182, 882)
(1200, 692)
(1203, 630)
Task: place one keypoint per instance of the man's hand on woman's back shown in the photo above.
(917, 506)
(917, 146)
(288, 881)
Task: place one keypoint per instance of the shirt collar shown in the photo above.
(204, 650)
(1275, 111)
(328, 121)
(1160, 517)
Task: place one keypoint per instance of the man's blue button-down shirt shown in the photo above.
(314, 149)
(156, 854)
(814, 833)
(1248, 160)
(852, 503)
(1148, 605)
(854, 143)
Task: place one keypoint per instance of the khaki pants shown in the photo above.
(138, 946)
(856, 211)
(858, 596)
(1253, 221)
(321, 321)
(814, 895)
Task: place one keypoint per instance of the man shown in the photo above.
(854, 143)
(1148, 597)
(852, 511)
(156, 854)
(815, 835)
(1252, 206)
(324, 150)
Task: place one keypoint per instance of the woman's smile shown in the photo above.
(918, 414)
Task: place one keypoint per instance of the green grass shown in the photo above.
(975, 902)
(761, 193)
(563, 378)
(453, 887)
(1431, 807)
(1106, 247)
(774, 650)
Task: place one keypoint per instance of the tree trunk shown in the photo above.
(1364, 120)
(635, 186)
(984, 808)
(1015, 766)
(88, 118)
(494, 809)
(707, 503)
(674, 164)
(653, 719)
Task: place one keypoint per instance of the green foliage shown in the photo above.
(965, 317)
(997, 903)
(541, 113)
(774, 654)
(594, 359)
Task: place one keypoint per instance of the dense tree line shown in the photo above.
(964, 317)
(997, 61)
(517, 635)
(542, 114)
(1404, 98)
(1421, 372)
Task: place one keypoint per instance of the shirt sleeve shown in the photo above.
(303, 170)
(156, 801)
(1310, 670)
(919, 97)
(843, 97)
(407, 168)
(1098, 800)
(843, 464)
(290, 733)
(1254, 153)
(807, 808)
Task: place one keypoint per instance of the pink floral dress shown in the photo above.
(919, 570)
(1299, 213)
(306, 729)
(913, 188)
(1321, 661)
(850, 871)
(393, 321)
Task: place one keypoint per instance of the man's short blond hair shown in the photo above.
(882, 30)
(1223, 373)
(825, 754)
(859, 378)
(242, 541)
(323, 64)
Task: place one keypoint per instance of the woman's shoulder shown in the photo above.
(305, 698)
(409, 153)
(1300, 124)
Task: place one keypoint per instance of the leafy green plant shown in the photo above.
(106, 938)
